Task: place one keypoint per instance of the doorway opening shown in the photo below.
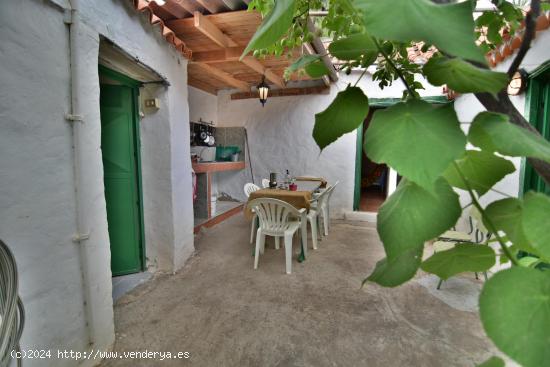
(122, 170)
(371, 186)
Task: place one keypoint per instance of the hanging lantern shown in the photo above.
(518, 83)
(263, 91)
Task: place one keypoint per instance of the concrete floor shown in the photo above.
(224, 313)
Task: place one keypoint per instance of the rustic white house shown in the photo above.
(56, 57)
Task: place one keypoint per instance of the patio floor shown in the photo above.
(224, 313)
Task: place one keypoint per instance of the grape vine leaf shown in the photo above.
(414, 214)
(493, 132)
(536, 222)
(462, 258)
(482, 170)
(274, 25)
(353, 47)
(449, 27)
(463, 77)
(514, 307)
(394, 271)
(346, 112)
(415, 138)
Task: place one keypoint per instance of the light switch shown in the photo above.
(152, 103)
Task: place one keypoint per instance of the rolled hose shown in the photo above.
(12, 313)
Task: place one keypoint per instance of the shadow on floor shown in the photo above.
(224, 313)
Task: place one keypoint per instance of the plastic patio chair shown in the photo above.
(249, 188)
(313, 216)
(278, 219)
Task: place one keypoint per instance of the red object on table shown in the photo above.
(293, 187)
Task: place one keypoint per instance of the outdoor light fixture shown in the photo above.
(160, 2)
(518, 83)
(263, 91)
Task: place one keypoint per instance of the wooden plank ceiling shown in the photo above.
(216, 32)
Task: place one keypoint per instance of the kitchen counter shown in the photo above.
(204, 167)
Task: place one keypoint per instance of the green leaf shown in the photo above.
(463, 77)
(514, 307)
(352, 47)
(316, 69)
(536, 222)
(345, 114)
(482, 170)
(391, 272)
(274, 25)
(414, 214)
(493, 132)
(449, 27)
(416, 139)
(492, 362)
(302, 62)
(464, 257)
(529, 261)
(506, 215)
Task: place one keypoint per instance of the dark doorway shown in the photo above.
(374, 179)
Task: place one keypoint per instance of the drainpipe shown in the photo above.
(77, 120)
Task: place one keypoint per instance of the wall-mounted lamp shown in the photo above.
(518, 83)
(160, 2)
(263, 91)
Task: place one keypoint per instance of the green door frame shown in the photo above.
(538, 85)
(134, 85)
(377, 103)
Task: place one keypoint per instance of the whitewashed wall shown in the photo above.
(280, 138)
(202, 105)
(37, 192)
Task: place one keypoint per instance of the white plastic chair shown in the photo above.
(313, 217)
(249, 188)
(265, 183)
(323, 208)
(278, 219)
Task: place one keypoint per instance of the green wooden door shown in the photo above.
(539, 116)
(120, 164)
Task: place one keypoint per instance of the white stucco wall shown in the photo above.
(280, 138)
(202, 105)
(37, 194)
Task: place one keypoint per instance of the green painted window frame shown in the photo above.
(378, 103)
(134, 85)
(534, 90)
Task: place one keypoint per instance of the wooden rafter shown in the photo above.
(225, 55)
(284, 92)
(210, 30)
(320, 49)
(309, 50)
(226, 77)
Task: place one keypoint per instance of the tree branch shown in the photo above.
(504, 105)
(529, 34)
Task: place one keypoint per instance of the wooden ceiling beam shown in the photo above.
(199, 84)
(214, 6)
(190, 6)
(258, 67)
(227, 54)
(320, 49)
(284, 92)
(176, 9)
(210, 30)
(223, 76)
